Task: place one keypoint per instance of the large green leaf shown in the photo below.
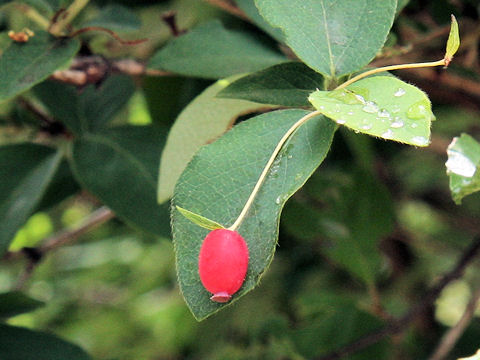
(18, 343)
(381, 106)
(249, 8)
(287, 84)
(23, 65)
(463, 166)
(119, 166)
(211, 51)
(15, 303)
(202, 121)
(220, 178)
(332, 37)
(88, 110)
(27, 170)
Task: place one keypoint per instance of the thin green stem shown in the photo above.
(265, 171)
(34, 15)
(389, 68)
(72, 11)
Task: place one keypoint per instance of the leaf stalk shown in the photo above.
(267, 167)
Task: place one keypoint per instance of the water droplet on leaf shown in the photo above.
(399, 92)
(388, 134)
(419, 110)
(370, 107)
(419, 140)
(397, 123)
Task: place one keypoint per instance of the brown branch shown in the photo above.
(94, 69)
(35, 255)
(397, 326)
(109, 32)
(95, 219)
(451, 337)
(229, 7)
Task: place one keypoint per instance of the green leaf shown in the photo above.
(45, 6)
(119, 166)
(381, 106)
(340, 320)
(202, 121)
(364, 207)
(89, 110)
(117, 18)
(333, 37)
(249, 8)
(200, 220)
(453, 41)
(211, 51)
(18, 343)
(287, 84)
(15, 303)
(23, 65)
(30, 169)
(220, 178)
(463, 166)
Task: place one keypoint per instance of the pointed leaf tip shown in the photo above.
(199, 219)
(453, 41)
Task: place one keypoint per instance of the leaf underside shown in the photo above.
(220, 178)
(463, 167)
(381, 106)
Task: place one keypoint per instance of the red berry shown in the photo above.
(223, 263)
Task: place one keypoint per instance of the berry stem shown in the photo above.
(72, 11)
(389, 68)
(264, 173)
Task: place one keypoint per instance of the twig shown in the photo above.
(35, 255)
(451, 337)
(93, 69)
(228, 7)
(95, 219)
(401, 324)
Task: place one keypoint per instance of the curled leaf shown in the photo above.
(453, 41)
(200, 220)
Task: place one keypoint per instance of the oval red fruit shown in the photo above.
(223, 263)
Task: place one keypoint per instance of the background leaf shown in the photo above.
(202, 121)
(30, 169)
(23, 65)
(249, 8)
(463, 166)
(212, 51)
(115, 17)
(90, 109)
(19, 343)
(218, 181)
(381, 106)
(333, 37)
(287, 84)
(119, 166)
(15, 303)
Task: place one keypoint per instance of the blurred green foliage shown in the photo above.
(114, 291)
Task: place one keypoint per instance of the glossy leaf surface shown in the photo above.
(220, 178)
(463, 166)
(27, 170)
(23, 65)
(202, 121)
(119, 166)
(381, 106)
(212, 51)
(287, 84)
(332, 37)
